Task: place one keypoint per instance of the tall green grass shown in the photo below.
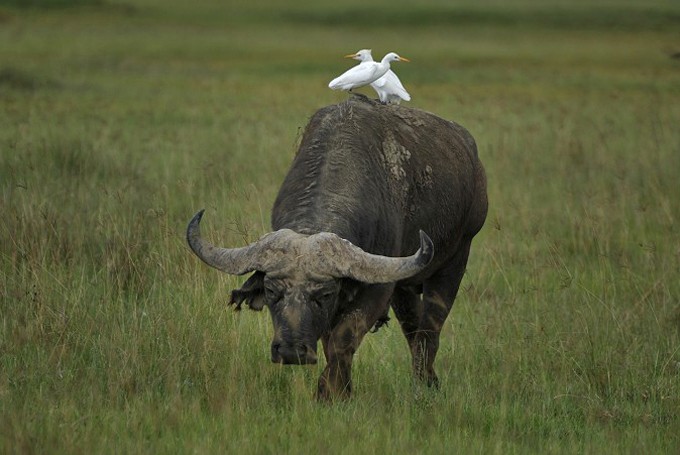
(119, 121)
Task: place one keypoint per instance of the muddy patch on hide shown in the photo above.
(395, 157)
(425, 177)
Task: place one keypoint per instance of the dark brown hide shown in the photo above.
(374, 175)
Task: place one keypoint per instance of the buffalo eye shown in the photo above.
(272, 291)
(324, 297)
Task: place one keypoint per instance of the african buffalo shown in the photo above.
(367, 186)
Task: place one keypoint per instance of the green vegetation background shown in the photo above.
(120, 119)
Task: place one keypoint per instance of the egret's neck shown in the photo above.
(384, 65)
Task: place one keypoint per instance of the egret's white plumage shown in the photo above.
(388, 87)
(364, 73)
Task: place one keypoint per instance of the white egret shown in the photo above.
(388, 87)
(365, 73)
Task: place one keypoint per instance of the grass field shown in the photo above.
(120, 119)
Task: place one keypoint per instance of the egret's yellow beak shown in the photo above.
(350, 55)
(404, 59)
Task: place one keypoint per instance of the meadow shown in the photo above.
(119, 119)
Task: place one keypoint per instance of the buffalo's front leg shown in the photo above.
(339, 347)
(343, 340)
(336, 380)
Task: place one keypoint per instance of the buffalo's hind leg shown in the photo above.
(439, 293)
(408, 308)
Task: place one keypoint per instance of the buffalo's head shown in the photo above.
(299, 278)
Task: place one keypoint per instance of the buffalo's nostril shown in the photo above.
(311, 356)
(276, 354)
(293, 354)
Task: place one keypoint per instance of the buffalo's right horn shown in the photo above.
(262, 255)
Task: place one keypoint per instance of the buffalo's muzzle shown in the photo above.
(293, 354)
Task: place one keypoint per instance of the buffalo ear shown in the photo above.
(252, 293)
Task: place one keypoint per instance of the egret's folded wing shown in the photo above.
(380, 83)
(356, 76)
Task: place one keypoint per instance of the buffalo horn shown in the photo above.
(348, 260)
(322, 254)
(261, 255)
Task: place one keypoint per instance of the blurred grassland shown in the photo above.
(118, 120)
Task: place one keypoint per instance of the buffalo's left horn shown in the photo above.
(348, 260)
(261, 255)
